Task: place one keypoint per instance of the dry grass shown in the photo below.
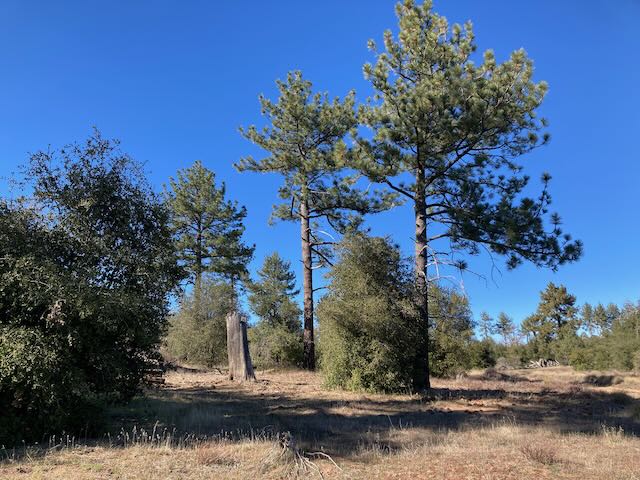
(546, 423)
(210, 454)
(544, 454)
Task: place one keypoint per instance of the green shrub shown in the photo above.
(41, 390)
(483, 354)
(198, 332)
(366, 320)
(86, 267)
(274, 346)
(451, 332)
(614, 348)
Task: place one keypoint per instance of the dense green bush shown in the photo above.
(41, 389)
(366, 320)
(275, 346)
(483, 353)
(198, 331)
(451, 332)
(86, 266)
(617, 347)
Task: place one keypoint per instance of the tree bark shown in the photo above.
(240, 366)
(197, 284)
(309, 354)
(421, 366)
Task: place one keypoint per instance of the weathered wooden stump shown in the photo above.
(240, 366)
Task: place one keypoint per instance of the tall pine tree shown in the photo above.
(599, 319)
(446, 135)
(208, 228)
(305, 143)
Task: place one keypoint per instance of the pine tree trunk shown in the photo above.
(197, 285)
(309, 355)
(421, 366)
(240, 366)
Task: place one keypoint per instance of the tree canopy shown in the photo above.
(270, 298)
(208, 227)
(276, 339)
(87, 267)
(447, 133)
(305, 144)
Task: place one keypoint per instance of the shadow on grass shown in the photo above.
(602, 380)
(343, 426)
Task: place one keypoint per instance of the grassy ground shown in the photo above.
(546, 423)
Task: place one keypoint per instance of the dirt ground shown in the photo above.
(544, 423)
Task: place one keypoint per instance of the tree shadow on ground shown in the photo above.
(342, 426)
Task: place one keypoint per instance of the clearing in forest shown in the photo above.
(543, 423)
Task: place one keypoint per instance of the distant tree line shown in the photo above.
(588, 338)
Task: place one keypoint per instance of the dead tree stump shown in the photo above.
(240, 366)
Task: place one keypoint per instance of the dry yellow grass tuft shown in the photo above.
(209, 454)
(544, 424)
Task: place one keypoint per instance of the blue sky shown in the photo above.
(174, 80)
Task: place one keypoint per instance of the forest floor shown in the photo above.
(551, 423)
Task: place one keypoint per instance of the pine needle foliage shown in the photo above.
(305, 142)
(276, 339)
(208, 228)
(447, 133)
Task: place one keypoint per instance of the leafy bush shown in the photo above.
(615, 348)
(451, 332)
(366, 321)
(483, 354)
(41, 390)
(368, 334)
(198, 331)
(86, 266)
(275, 346)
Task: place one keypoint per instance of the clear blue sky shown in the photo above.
(174, 80)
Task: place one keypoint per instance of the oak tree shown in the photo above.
(87, 270)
